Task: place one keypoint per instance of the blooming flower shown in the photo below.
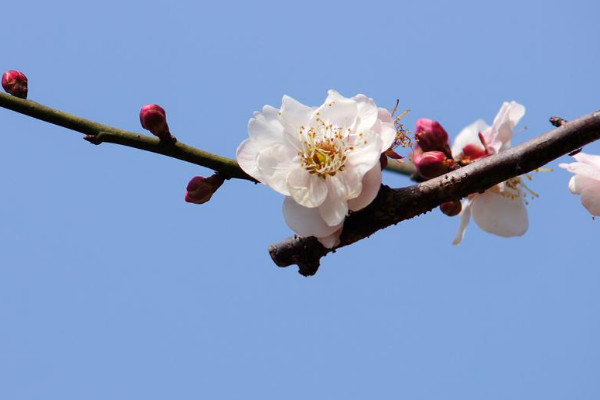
(586, 181)
(501, 209)
(324, 159)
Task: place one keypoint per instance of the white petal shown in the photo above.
(385, 128)
(335, 207)
(590, 198)
(294, 112)
(332, 240)
(364, 156)
(306, 189)
(274, 164)
(341, 112)
(589, 159)
(367, 112)
(505, 122)
(582, 169)
(247, 155)
(465, 216)
(305, 221)
(469, 135)
(266, 128)
(371, 184)
(578, 182)
(500, 215)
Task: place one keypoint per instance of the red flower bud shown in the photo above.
(201, 189)
(473, 152)
(451, 208)
(15, 83)
(431, 136)
(431, 164)
(154, 118)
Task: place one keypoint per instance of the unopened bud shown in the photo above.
(201, 189)
(431, 136)
(154, 118)
(431, 164)
(473, 152)
(451, 208)
(15, 83)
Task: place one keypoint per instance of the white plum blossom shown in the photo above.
(501, 209)
(324, 159)
(586, 181)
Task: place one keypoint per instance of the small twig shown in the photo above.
(395, 205)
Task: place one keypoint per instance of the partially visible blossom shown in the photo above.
(501, 209)
(154, 118)
(586, 181)
(15, 83)
(200, 189)
(324, 159)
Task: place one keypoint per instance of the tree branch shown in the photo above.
(395, 205)
(97, 133)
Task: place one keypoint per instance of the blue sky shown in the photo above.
(112, 287)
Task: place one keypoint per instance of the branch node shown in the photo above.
(93, 139)
(557, 121)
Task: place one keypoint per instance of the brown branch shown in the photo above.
(395, 205)
(97, 133)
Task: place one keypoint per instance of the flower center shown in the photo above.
(324, 148)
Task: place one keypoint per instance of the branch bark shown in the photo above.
(97, 133)
(395, 205)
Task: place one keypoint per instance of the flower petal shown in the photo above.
(367, 112)
(385, 128)
(306, 189)
(332, 240)
(335, 208)
(246, 155)
(266, 128)
(339, 111)
(504, 123)
(465, 216)
(305, 221)
(274, 165)
(469, 135)
(371, 184)
(582, 169)
(589, 159)
(590, 198)
(501, 215)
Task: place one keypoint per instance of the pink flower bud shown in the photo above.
(154, 118)
(473, 152)
(431, 164)
(201, 189)
(15, 83)
(431, 136)
(451, 208)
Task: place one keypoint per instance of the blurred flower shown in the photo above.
(154, 118)
(201, 189)
(15, 83)
(501, 209)
(324, 159)
(586, 181)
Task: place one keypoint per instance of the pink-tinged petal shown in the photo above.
(306, 189)
(469, 135)
(266, 128)
(335, 207)
(371, 184)
(590, 197)
(589, 159)
(505, 122)
(332, 240)
(465, 216)
(364, 156)
(578, 182)
(582, 169)
(367, 112)
(340, 112)
(274, 164)
(295, 113)
(247, 155)
(305, 221)
(385, 128)
(500, 215)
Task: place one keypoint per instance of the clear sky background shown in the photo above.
(112, 287)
